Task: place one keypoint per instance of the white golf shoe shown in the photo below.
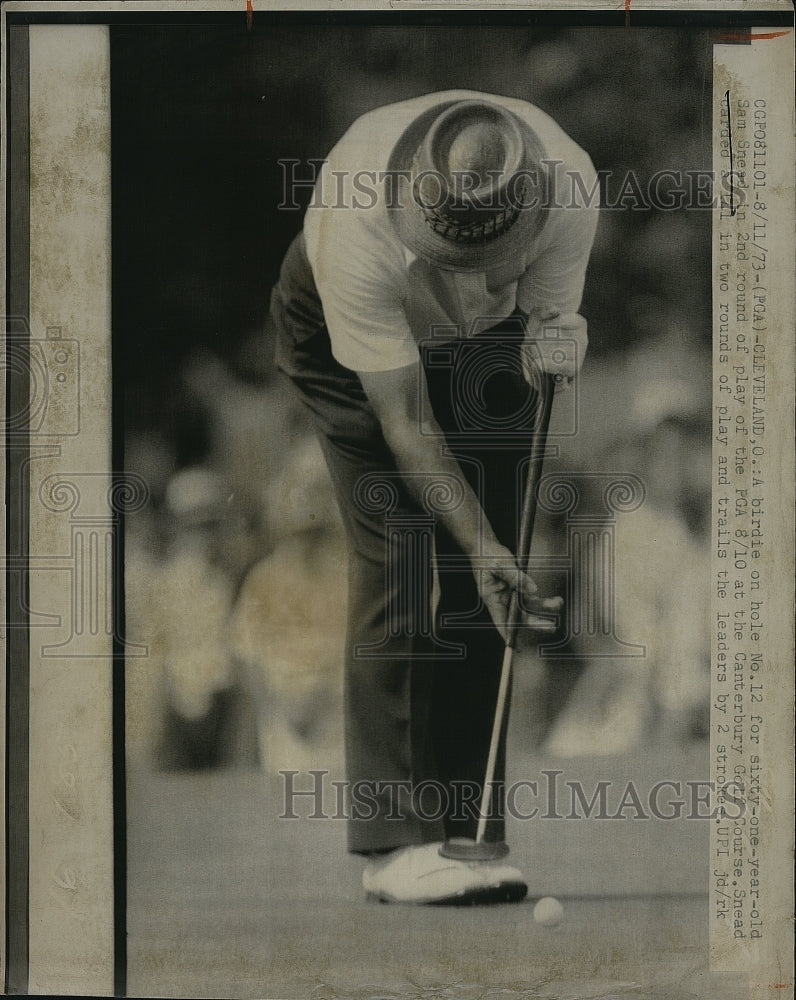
(419, 874)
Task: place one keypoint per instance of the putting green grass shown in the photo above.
(226, 900)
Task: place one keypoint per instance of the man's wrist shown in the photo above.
(493, 551)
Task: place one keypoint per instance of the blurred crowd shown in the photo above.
(236, 574)
(235, 571)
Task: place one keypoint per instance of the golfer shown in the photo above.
(444, 248)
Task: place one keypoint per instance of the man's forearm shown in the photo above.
(396, 397)
(417, 452)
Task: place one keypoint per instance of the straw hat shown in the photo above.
(478, 186)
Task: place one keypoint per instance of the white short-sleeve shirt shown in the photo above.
(379, 299)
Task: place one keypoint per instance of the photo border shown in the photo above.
(18, 17)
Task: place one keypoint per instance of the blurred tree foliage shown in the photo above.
(202, 115)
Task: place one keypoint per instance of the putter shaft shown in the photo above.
(527, 521)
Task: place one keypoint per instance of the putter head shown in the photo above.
(464, 849)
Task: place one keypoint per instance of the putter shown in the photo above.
(462, 848)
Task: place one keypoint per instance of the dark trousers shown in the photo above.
(419, 693)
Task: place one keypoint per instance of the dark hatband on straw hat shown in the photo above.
(478, 188)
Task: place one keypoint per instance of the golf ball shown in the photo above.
(548, 912)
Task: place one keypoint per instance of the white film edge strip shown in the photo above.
(71, 918)
(71, 809)
(752, 496)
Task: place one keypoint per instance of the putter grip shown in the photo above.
(530, 494)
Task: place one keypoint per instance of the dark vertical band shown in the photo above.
(118, 716)
(118, 703)
(119, 631)
(17, 309)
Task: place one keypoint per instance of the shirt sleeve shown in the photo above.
(360, 283)
(557, 276)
